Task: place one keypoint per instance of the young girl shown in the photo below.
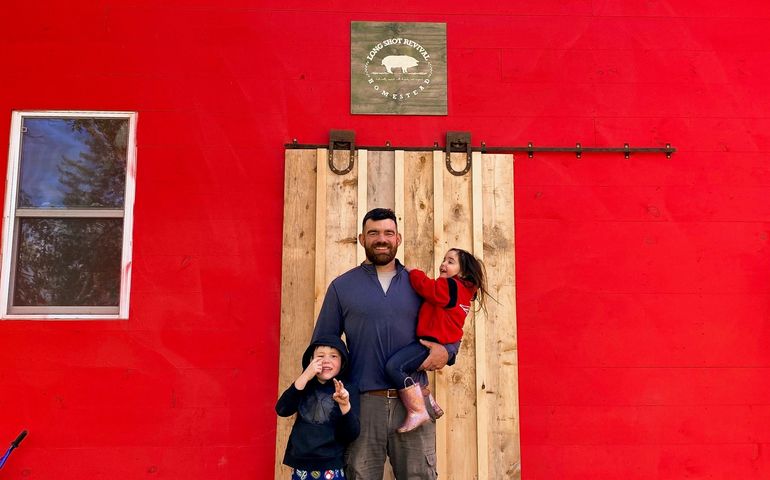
(441, 319)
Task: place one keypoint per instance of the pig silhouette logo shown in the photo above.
(404, 62)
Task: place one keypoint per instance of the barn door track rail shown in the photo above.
(460, 142)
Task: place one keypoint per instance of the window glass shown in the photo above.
(66, 250)
(73, 162)
(64, 261)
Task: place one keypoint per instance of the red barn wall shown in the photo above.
(643, 299)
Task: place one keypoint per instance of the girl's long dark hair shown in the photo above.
(472, 270)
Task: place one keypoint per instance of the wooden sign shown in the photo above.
(398, 68)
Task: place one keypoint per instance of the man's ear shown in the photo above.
(361, 239)
(399, 240)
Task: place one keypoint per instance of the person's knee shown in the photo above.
(393, 370)
(359, 467)
(363, 460)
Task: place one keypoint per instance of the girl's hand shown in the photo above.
(341, 396)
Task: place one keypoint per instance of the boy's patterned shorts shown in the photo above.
(298, 474)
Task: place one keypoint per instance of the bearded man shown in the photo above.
(376, 308)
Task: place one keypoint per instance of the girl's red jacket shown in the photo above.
(447, 303)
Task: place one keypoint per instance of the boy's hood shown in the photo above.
(327, 341)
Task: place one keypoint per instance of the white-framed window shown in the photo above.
(67, 222)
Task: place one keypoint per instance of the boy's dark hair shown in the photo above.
(377, 214)
(472, 270)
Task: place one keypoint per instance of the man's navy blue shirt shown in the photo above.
(376, 324)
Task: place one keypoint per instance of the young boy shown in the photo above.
(327, 412)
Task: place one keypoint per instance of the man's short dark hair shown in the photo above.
(377, 214)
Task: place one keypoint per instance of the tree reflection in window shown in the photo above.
(68, 262)
(70, 165)
(73, 162)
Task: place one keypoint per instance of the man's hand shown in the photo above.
(437, 357)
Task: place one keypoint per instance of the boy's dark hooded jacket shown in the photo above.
(320, 432)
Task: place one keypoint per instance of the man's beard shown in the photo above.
(380, 258)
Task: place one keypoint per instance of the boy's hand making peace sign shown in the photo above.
(341, 396)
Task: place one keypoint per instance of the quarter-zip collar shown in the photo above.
(372, 270)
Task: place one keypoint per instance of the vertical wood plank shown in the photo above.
(363, 201)
(381, 194)
(297, 301)
(439, 246)
(341, 215)
(398, 197)
(480, 332)
(461, 435)
(319, 280)
(418, 221)
(418, 210)
(381, 177)
(502, 358)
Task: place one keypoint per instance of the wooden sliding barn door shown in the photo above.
(478, 437)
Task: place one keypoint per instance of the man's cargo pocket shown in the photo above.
(431, 459)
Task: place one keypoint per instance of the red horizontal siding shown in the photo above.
(642, 299)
